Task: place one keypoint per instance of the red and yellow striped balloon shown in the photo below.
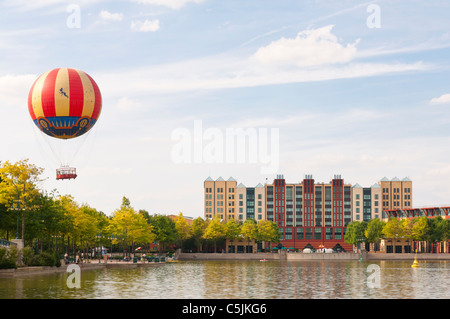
(64, 103)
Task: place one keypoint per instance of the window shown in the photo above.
(317, 233)
(308, 233)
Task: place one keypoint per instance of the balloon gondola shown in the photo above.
(66, 172)
(64, 103)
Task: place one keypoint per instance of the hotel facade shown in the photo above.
(309, 214)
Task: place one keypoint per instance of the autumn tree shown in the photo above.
(394, 228)
(232, 229)
(198, 229)
(268, 231)
(19, 185)
(249, 230)
(214, 231)
(129, 226)
(183, 229)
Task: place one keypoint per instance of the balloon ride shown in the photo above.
(64, 103)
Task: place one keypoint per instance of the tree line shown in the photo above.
(51, 222)
(420, 229)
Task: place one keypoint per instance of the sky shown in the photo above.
(244, 89)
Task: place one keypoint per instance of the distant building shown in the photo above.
(366, 202)
(220, 198)
(187, 218)
(251, 202)
(397, 194)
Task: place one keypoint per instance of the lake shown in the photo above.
(243, 279)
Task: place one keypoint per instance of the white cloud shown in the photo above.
(443, 99)
(310, 48)
(173, 4)
(146, 26)
(14, 89)
(126, 104)
(108, 16)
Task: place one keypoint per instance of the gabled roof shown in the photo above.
(231, 179)
(406, 179)
(220, 179)
(357, 186)
(241, 185)
(375, 186)
(395, 179)
(385, 179)
(209, 179)
(259, 185)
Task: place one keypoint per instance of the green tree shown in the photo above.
(214, 231)
(419, 229)
(374, 231)
(355, 232)
(437, 229)
(164, 230)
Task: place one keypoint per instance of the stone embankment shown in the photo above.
(282, 255)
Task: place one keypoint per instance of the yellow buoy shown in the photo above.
(415, 262)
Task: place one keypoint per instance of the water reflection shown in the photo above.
(242, 279)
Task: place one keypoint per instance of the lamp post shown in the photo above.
(360, 240)
(17, 208)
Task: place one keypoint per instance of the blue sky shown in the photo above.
(346, 97)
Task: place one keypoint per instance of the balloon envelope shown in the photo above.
(64, 103)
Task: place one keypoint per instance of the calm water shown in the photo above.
(243, 279)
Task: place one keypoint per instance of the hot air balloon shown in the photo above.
(64, 103)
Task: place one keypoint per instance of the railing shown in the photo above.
(6, 243)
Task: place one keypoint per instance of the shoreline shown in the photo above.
(41, 270)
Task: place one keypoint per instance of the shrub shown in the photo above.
(28, 256)
(8, 257)
(46, 258)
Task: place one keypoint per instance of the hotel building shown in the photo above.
(309, 214)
